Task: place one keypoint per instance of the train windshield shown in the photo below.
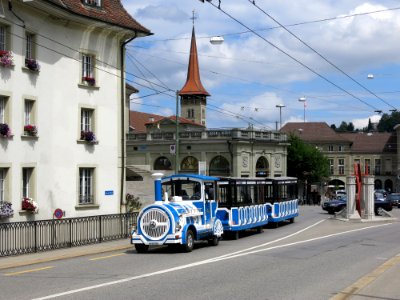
(187, 189)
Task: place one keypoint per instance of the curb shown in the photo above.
(83, 252)
(366, 280)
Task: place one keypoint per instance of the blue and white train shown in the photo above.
(191, 207)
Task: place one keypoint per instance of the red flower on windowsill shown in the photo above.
(89, 80)
(30, 205)
(30, 130)
(6, 58)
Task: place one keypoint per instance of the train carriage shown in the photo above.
(246, 203)
(191, 207)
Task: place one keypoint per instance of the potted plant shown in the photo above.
(30, 205)
(88, 136)
(6, 58)
(89, 80)
(32, 64)
(6, 210)
(30, 130)
(5, 130)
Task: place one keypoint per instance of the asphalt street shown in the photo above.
(317, 257)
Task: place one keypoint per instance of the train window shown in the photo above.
(209, 191)
(187, 189)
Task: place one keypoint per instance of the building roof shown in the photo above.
(139, 120)
(314, 132)
(193, 85)
(173, 119)
(376, 142)
(131, 89)
(111, 12)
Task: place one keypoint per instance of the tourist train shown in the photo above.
(190, 207)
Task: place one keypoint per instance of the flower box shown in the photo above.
(30, 205)
(30, 130)
(88, 136)
(32, 64)
(6, 210)
(6, 58)
(89, 80)
(5, 130)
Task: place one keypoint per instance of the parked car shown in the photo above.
(381, 202)
(334, 205)
(395, 198)
(337, 205)
(382, 191)
(340, 194)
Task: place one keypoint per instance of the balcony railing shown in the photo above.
(272, 136)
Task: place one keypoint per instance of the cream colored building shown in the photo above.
(63, 98)
(376, 153)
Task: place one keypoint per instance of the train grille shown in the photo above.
(155, 224)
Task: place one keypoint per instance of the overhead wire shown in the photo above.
(288, 25)
(293, 58)
(319, 54)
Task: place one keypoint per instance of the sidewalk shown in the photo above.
(35, 258)
(381, 283)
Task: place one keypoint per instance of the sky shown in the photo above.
(274, 53)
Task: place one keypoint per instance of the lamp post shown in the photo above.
(280, 114)
(303, 99)
(177, 134)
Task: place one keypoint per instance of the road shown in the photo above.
(314, 258)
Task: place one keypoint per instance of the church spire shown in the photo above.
(193, 85)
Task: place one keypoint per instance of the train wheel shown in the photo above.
(188, 247)
(213, 241)
(141, 248)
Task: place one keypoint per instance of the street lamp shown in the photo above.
(280, 114)
(303, 99)
(216, 40)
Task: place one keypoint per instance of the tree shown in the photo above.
(132, 203)
(387, 122)
(343, 127)
(350, 127)
(306, 162)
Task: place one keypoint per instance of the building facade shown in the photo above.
(62, 106)
(375, 152)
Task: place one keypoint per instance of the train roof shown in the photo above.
(193, 176)
(259, 178)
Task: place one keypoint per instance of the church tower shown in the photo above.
(193, 94)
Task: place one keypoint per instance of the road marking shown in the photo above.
(207, 261)
(108, 256)
(27, 271)
(366, 280)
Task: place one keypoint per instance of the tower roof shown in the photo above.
(193, 85)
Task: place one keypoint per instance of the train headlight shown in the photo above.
(178, 227)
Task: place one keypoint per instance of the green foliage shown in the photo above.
(305, 161)
(132, 203)
(387, 122)
(344, 127)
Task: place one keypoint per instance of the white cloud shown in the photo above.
(245, 69)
